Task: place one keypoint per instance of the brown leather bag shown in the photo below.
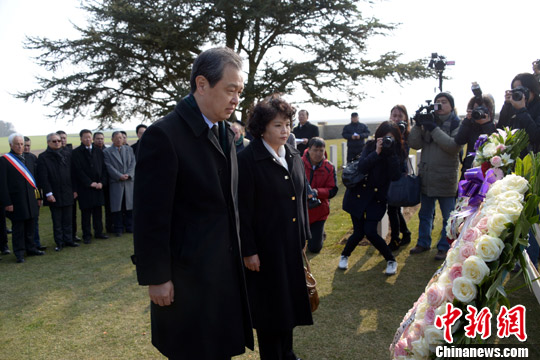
(311, 284)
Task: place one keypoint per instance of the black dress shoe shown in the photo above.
(9, 231)
(20, 260)
(72, 244)
(87, 241)
(77, 239)
(6, 251)
(101, 236)
(118, 234)
(42, 248)
(35, 253)
(405, 239)
(58, 248)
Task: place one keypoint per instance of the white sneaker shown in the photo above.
(343, 262)
(391, 267)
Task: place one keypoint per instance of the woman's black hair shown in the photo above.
(266, 111)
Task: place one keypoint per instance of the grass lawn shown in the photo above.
(84, 303)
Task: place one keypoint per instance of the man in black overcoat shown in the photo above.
(89, 173)
(54, 180)
(19, 197)
(304, 131)
(186, 219)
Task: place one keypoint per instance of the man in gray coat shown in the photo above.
(438, 169)
(120, 162)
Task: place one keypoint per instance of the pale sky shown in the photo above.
(491, 42)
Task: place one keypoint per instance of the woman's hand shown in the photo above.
(378, 149)
(252, 262)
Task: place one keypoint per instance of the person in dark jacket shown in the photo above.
(239, 136)
(68, 148)
(366, 203)
(140, 129)
(99, 142)
(356, 133)
(400, 117)
(54, 180)
(304, 131)
(27, 153)
(187, 246)
(89, 173)
(19, 197)
(471, 128)
(274, 228)
(525, 114)
(321, 176)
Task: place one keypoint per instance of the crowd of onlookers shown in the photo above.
(93, 177)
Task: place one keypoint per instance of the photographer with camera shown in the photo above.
(479, 120)
(321, 176)
(400, 117)
(521, 110)
(366, 202)
(434, 132)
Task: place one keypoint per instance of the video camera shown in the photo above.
(426, 112)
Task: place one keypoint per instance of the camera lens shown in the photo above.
(387, 141)
(517, 95)
(478, 114)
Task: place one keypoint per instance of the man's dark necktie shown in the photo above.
(215, 131)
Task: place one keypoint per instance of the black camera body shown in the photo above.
(312, 202)
(426, 112)
(479, 112)
(387, 142)
(519, 92)
(402, 125)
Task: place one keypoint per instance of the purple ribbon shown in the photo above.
(481, 140)
(475, 186)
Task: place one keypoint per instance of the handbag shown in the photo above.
(351, 175)
(406, 191)
(311, 284)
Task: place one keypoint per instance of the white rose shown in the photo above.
(488, 248)
(497, 223)
(510, 195)
(433, 336)
(464, 290)
(443, 279)
(490, 149)
(474, 269)
(510, 208)
(421, 310)
(420, 349)
(452, 257)
(517, 183)
(496, 188)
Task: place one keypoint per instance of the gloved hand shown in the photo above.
(429, 125)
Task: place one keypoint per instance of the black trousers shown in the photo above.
(22, 236)
(3, 229)
(74, 219)
(62, 222)
(315, 244)
(91, 215)
(397, 222)
(108, 216)
(368, 228)
(123, 219)
(276, 345)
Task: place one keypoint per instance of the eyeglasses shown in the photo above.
(56, 141)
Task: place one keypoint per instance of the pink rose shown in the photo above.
(482, 225)
(455, 271)
(471, 234)
(429, 317)
(466, 250)
(399, 349)
(435, 296)
(496, 161)
(448, 293)
(498, 173)
(501, 148)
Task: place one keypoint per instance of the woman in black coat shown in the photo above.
(366, 203)
(274, 228)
